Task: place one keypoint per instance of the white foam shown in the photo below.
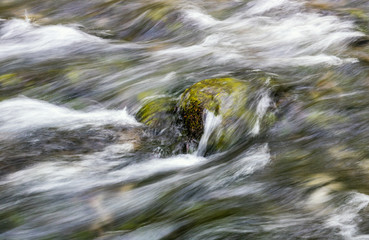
(238, 169)
(200, 17)
(259, 7)
(346, 217)
(255, 39)
(92, 171)
(252, 161)
(21, 38)
(23, 114)
(155, 166)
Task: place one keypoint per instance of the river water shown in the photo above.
(75, 163)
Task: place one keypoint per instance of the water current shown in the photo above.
(75, 162)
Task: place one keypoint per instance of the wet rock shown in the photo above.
(157, 112)
(237, 108)
(159, 115)
(222, 96)
(235, 101)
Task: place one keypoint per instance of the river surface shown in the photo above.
(75, 163)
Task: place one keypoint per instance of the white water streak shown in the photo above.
(252, 161)
(346, 217)
(94, 170)
(21, 38)
(255, 38)
(261, 109)
(260, 7)
(210, 124)
(20, 115)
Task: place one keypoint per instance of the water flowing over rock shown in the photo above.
(222, 96)
(184, 119)
(158, 112)
(229, 99)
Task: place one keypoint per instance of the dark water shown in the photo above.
(76, 164)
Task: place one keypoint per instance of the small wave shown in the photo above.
(260, 7)
(252, 161)
(94, 170)
(23, 39)
(155, 166)
(346, 217)
(23, 114)
(256, 38)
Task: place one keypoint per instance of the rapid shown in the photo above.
(76, 163)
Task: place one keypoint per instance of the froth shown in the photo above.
(21, 38)
(24, 114)
(266, 35)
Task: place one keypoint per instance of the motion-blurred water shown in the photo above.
(76, 164)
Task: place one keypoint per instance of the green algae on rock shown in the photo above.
(231, 99)
(226, 97)
(157, 112)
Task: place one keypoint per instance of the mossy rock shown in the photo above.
(227, 97)
(157, 112)
(160, 115)
(235, 101)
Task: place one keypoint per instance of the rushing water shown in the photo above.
(76, 164)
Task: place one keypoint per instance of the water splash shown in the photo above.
(210, 124)
(235, 196)
(346, 217)
(261, 109)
